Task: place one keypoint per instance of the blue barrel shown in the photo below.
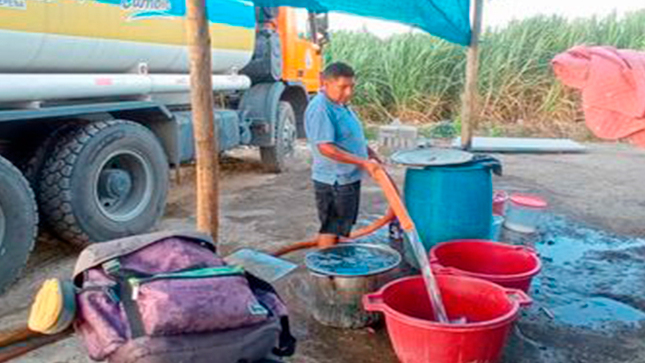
(450, 202)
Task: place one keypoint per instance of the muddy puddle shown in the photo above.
(590, 278)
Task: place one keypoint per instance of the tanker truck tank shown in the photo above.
(116, 36)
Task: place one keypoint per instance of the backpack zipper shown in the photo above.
(136, 282)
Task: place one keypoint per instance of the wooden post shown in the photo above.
(204, 130)
(469, 107)
(16, 343)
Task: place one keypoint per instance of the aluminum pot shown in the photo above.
(339, 276)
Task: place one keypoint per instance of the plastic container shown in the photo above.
(449, 202)
(397, 136)
(496, 228)
(500, 198)
(489, 309)
(507, 265)
(524, 213)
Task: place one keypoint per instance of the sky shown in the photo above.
(499, 12)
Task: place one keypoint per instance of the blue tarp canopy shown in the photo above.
(447, 19)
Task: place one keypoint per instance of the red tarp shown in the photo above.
(613, 89)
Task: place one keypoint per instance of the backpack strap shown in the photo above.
(130, 307)
(286, 342)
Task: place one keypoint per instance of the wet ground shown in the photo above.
(589, 302)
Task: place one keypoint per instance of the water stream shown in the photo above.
(428, 276)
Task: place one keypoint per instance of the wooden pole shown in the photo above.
(18, 342)
(204, 130)
(14, 335)
(469, 109)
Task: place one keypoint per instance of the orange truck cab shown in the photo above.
(302, 51)
(286, 65)
(297, 39)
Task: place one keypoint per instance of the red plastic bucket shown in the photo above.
(507, 265)
(489, 309)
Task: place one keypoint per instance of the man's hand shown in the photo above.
(371, 165)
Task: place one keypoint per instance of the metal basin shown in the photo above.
(340, 276)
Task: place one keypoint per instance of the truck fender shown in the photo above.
(260, 106)
(296, 95)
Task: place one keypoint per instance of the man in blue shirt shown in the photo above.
(340, 153)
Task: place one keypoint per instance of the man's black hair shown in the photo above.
(337, 70)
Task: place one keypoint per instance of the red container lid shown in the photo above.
(528, 201)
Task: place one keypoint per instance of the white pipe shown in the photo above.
(43, 87)
(166, 83)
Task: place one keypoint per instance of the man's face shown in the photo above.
(340, 89)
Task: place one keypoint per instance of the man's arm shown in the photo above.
(334, 152)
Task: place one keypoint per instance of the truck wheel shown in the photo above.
(18, 223)
(274, 157)
(104, 180)
(32, 166)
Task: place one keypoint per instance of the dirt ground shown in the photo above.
(588, 299)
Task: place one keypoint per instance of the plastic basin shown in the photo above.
(506, 265)
(490, 311)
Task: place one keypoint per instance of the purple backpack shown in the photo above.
(168, 297)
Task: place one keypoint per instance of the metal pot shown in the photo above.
(338, 287)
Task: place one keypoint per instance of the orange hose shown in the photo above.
(376, 225)
(393, 197)
(397, 209)
(294, 247)
(379, 223)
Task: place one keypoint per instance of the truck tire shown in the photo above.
(33, 165)
(104, 180)
(18, 223)
(275, 157)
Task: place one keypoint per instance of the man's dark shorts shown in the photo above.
(337, 207)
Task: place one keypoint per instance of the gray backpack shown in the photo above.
(167, 297)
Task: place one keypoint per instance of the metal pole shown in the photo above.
(469, 107)
(205, 131)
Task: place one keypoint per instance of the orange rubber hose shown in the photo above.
(397, 209)
(379, 223)
(393, 197)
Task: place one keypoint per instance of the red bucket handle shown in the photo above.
(440, 269)
(520, 296)
(373, 302)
